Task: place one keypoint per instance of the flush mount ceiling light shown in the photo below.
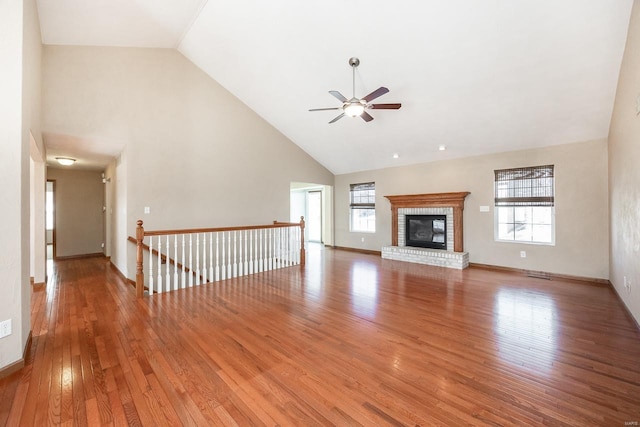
(442, 147)
(65, 161)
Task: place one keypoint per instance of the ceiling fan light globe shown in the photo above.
(354, 109)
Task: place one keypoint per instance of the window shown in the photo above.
(524, 203)
(363, 207)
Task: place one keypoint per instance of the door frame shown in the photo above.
(53, 231)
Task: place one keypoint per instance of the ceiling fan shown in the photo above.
(355, 107)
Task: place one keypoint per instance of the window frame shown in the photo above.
(356, 203)
(529, 187)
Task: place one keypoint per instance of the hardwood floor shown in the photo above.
(351, 340)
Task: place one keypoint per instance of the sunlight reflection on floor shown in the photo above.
(526, 325)
(364, 289)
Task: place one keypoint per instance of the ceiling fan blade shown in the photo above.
(338, 95)
(366, 116)
(337, 118)
(385, 106)
(326, 109)
(376, 93)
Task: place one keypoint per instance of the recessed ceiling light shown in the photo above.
(442, 147)
(65, 161)
(395, 155)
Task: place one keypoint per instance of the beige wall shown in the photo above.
(79, 219)
(195, 154)
(19, 110)
(624, 173)
(581, 207)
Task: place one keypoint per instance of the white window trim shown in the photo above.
(351, 209)
(525, 242)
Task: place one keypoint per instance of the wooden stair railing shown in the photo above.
(223, 252)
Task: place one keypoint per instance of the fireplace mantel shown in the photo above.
(444, 200)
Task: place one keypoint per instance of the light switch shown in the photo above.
(147, 209)
(484, 208)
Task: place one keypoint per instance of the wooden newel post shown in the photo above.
(302, 252)
(139, 258)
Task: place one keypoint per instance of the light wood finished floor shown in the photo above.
(352, 340)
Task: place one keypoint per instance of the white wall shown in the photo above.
(19, 109)
(196, 155)
(624, 173)
(581, 207)
(11, 175)
(119, 232)
(109, 203)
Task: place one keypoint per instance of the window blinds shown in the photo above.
(363, 196)
(529, 186)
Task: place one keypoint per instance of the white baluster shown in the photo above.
(217, 257)
(287, 241)
(239, 268)
(160, 264)
(151, 272)
(211, 276)
(280, 248)
(260, 264)
(229, 260)
(270, 240)
(284, 248)
(197, 259)
(176, 283)
(190, 260)
(204, 257)
(274, 232)
(184, 266)
(235, 254)
(246, 250)
(250, 271)
(223, 265)
(167, 268)
(292, 244)
(265, 248)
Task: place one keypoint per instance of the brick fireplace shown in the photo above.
(450, 205)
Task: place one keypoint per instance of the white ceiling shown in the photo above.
(476, 76)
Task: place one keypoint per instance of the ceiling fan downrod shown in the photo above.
(354, 62)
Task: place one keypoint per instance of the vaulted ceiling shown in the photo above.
(475, 76)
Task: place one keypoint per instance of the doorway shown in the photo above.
(314, 215)
(315, 203)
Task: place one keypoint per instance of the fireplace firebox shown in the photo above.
(426, 231)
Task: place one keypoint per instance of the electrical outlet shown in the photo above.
(363, 240)
(5, 328)
(147, 209)
(523, 254)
